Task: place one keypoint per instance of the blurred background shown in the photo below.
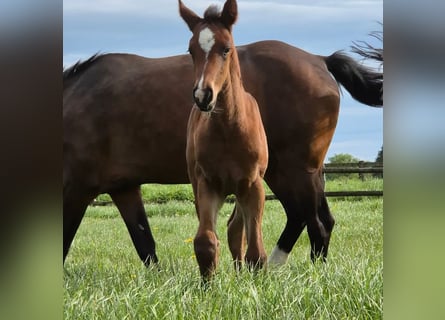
(31, 61)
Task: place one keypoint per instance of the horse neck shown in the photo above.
(232, 94)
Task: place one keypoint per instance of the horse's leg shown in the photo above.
(74, 206)
(206, 243)
(251, 203)
(320, 224)
(131, 207)
(283, 186)
(236, 236)
(328, 222)
(302, 196)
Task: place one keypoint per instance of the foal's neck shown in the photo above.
(231, 96)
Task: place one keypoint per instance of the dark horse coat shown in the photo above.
(125, 120)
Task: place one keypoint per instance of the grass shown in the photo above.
(104, 278)
(353, 184)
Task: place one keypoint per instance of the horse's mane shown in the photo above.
(212, 13)
(80, 66)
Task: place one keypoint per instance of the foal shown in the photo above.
(226, 143)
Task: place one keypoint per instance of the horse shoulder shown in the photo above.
(256, 136)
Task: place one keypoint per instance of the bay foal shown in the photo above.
(226, 143)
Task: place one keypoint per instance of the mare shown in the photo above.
(125, 123)
(226, 150)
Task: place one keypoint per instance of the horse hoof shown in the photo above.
(151, 259)
(256, 264)
(278, 257)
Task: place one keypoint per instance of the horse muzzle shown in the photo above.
(203, 99)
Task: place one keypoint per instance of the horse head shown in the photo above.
(212, 49)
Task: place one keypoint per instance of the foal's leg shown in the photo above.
(74, 206)
(131, 208)
(206, 243)
(236, 236)
(251, 201)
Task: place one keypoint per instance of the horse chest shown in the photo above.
(227, 161)
(225, 151)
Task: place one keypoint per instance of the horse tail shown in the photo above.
(364, 84)
(78, 68)
(368, 51)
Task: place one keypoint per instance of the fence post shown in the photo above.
(361, 175)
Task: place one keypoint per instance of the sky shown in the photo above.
(153, 28)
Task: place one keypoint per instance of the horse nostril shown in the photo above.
(203, 98)
(202, 95)
(209, 95)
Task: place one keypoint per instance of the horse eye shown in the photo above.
(226, 52)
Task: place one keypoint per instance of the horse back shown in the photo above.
(123, 123)
(298, 98)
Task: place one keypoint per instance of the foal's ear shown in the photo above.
(229, 13)
(191, 18)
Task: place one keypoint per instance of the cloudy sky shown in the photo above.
(153, 28)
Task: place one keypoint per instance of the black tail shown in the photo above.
(364, 85)
(368, 51)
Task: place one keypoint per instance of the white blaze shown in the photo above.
(206, 40)
(199, 94)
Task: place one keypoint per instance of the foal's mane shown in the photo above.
(80, 66)
(212, 14)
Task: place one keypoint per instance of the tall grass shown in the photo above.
(104, 278)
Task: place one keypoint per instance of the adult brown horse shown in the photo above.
(125, 120)
(226, 149)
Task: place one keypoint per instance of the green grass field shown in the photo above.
(104, 278)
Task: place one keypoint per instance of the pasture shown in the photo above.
(104, 278)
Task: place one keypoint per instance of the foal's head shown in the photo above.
(212, 50)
